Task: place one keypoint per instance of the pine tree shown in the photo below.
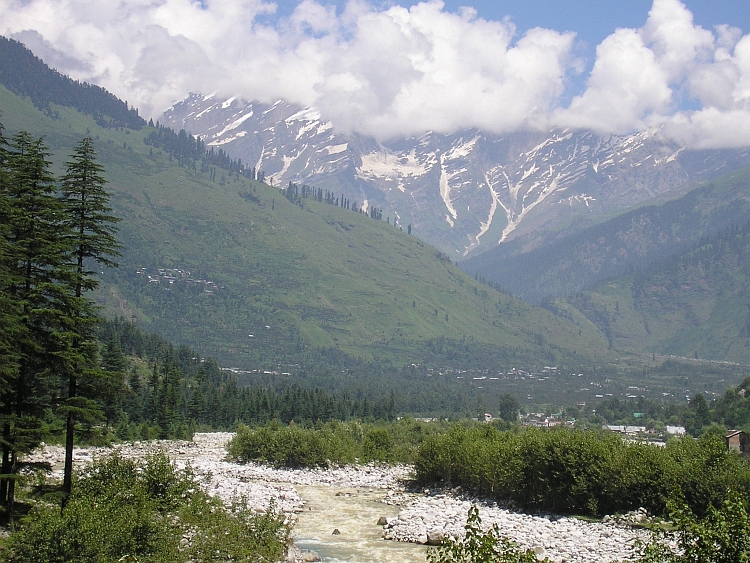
(9, 313)
(90, 227)
(34, 268)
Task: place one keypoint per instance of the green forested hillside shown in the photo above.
(269, 279)
(695, 304)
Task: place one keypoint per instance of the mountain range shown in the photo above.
(255, 276)
(464, 193)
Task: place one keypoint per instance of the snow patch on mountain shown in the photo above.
(305, 114)
(227, 140)
(445, 190)
(384, 164)
(236, 123)
(336, 149)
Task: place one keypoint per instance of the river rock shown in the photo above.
(435, 537)
(558, 538)
(309, 556)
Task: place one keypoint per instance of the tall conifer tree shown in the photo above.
(9, 313)
(34, 264)
(90, 228)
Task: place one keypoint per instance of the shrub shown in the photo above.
(334, 442)
(146, 511)
(574, 471)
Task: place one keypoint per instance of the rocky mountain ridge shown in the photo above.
(464, 192)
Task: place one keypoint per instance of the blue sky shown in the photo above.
(394, 70)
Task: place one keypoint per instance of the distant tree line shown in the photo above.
(297, 194)
(26, 75)
(182, 391)
(191, 151)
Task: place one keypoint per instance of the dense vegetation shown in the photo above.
(332, 443)
(50, 240)
(694, 303)
(560, 470)
(170, 391)
(146, 511)
(721, 536)
(582, 472)
(190, 152)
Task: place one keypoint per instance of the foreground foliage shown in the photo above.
(49, 240)
(145, 511)
(722, 536)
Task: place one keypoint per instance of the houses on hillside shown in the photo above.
(166, 278)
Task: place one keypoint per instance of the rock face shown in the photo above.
(425, 517)
(463, 192)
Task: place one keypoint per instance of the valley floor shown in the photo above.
(350, 493)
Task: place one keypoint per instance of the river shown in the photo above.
(354, 512)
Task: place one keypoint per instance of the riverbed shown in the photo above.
(351, 500)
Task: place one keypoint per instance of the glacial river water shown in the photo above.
(355, 513)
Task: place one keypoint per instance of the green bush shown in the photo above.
(378, 445)
(575, 471)
(332, 442)
(144, 511)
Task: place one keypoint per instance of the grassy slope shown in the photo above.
(319, 276)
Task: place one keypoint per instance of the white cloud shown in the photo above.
(677, 44)
(641, 77)
(399, 71)
(626, 84)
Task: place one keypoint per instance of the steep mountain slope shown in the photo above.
(464, 192)
(27, 75)
(234, 269)
(694, 304)
(631, 240)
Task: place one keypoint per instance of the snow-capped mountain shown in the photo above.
(464, 192)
